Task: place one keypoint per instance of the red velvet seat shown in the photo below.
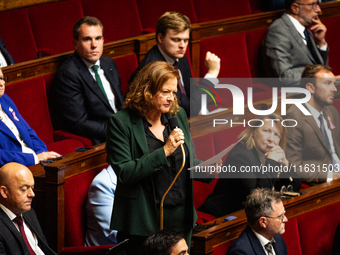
(318, 239)
(151, 10)
(126, 66)
(220, 9)
(333, 39)
(253, 40)
(76, 189)
(17, 34)
(52, 25)
(31, 99)
(119, 18)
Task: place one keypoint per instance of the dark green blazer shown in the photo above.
(135, 211)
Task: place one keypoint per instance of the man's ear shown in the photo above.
(3, 191)
(263, 222)
(295, 8)
(310, 87)
(74, 41)
(160, 38)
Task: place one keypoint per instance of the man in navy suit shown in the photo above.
(172, 36)
(20, 229)
(87, 86)
(18, 142)
(6, 58)
(266, 222)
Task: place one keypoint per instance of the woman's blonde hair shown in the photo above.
(248, 133)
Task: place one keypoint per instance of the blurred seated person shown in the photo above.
(99, 209)
(6, 58)
(165, 242)
(18, 142)
(258, 161)
(145, 152)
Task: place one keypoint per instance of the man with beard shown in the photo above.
(290, 46)
(266, 222)
(313, 145)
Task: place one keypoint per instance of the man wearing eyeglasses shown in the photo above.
(295, 40)
(266, 222)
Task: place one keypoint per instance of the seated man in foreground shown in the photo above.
(18, 142)
(266, 222)
(313, 145)
(20, 229)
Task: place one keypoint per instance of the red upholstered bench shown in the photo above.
(76, 189)
(52, 25)
(220, 9)
(151, 10)
(119, 18)
(31, 99)
(17, 35)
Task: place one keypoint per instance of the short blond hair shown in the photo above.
(172, 20)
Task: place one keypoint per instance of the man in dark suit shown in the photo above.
(6, 58)
(290, 46)
(87, 85)
(313, 145)
(266, 222)
(20, 229)
(172, 35)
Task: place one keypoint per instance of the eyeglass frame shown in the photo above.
(280, 217)
(4, 78)
(311, 4)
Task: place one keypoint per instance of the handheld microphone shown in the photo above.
(173, 122)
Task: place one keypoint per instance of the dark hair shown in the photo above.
(172, 20)
(161, 243)
(308, 75)
(288, 4)
(91, 21)
(148, 82)
(259, 203)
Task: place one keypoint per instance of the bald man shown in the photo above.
(20, 230)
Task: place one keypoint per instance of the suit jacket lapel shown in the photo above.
(257, 247)
(139, 133)
(89, 80)
(295, 34)
(9, 224)
(311, 121)
(108, 74)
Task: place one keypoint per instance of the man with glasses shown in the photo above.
(266, 222)
(295, 40)
(18, 142)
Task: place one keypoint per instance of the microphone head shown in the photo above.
(173, 122)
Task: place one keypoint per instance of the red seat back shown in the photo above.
(17, 34)
(31, 99)
(119, 18)
(220, 9)
(150, 11)
(76, 189)
(126, 66)
(333, 39)
(52, 25)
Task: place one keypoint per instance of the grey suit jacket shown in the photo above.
(285, 54)
(306, 144)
